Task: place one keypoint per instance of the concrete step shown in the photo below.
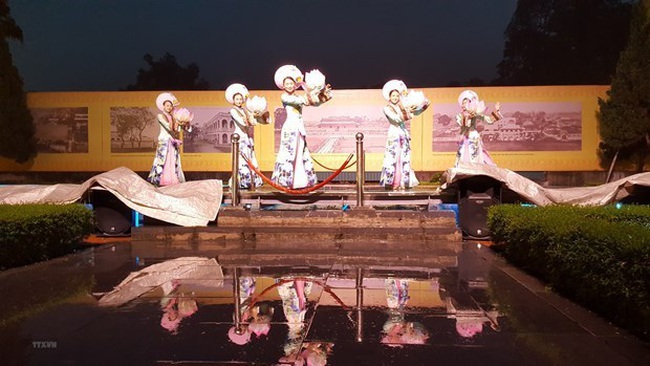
(321, 230)
(355, 218)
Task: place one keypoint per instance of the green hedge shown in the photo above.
(597, 256)
(33, 233)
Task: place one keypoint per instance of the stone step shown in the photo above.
(343, 255)
(292, 235)
(366, 218)
(237, 228)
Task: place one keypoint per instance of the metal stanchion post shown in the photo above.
(361, 169)
(359, 288)
(237, 297)
(234, 180)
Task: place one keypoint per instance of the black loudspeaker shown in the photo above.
(113, 218)
(476, 195)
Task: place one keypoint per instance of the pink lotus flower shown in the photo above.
(183, 115)
(256, 104)
(314, 79)
(476, 106)
(415, 99)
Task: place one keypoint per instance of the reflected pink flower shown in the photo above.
(259, 328)
(171, 320)
(468, 328)
(240, 339)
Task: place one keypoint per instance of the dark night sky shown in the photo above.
(82, 45)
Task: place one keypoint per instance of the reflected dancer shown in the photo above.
(397, 331)
(315, 354)
(294, 295)
(163, 275)
(176, 306)
(466, 296)
(472, 324)
(256, 319)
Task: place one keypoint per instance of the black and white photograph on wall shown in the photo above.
(135, 129)
(332, 128)
(61, 130)
(534, 126)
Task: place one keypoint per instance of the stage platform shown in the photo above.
(320, 229)
(343, 196)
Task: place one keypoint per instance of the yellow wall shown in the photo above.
(100, 158)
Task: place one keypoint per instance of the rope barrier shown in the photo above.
(280, 282)
(330, 169)
(302, 190)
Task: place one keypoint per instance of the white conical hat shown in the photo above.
(467, 94)
(393, 85)
(287, 71)
(166, 96)
(234, 89)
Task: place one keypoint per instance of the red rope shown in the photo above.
(280, 282)
(303, 190)
(328, 168)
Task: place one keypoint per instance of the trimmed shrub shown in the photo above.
(33, 233)
(597, 256)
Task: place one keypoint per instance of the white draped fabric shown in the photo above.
(534, 193)
(192, 203)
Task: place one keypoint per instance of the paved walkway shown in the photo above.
(361, 307)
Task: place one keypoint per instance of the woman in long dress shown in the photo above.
(294, 167)
(236, 94)
(294, 295)
(470, 146)
(167, 168)
(396, 171)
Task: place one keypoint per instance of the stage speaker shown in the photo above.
(113, 218)
(476, 195)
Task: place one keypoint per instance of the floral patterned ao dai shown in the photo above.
(396, 168)
(294, 167)
(166, 168)
(244, 123)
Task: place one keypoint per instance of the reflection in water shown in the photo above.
(314, 354)
(382, 301)
(255, 319)
(397, 330)
(294, 295)
(162, 275)
(406, 306)
(469, 326)
(176, 306)
(467, 300)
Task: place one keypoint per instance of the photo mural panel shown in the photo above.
(332, 128)
(533, 126)
(135, 129)
(61, 130)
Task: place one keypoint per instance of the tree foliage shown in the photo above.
(624, 116)
(17, 141)
(564, 42)
(167, 74)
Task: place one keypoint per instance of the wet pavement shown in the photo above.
(369, 307)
